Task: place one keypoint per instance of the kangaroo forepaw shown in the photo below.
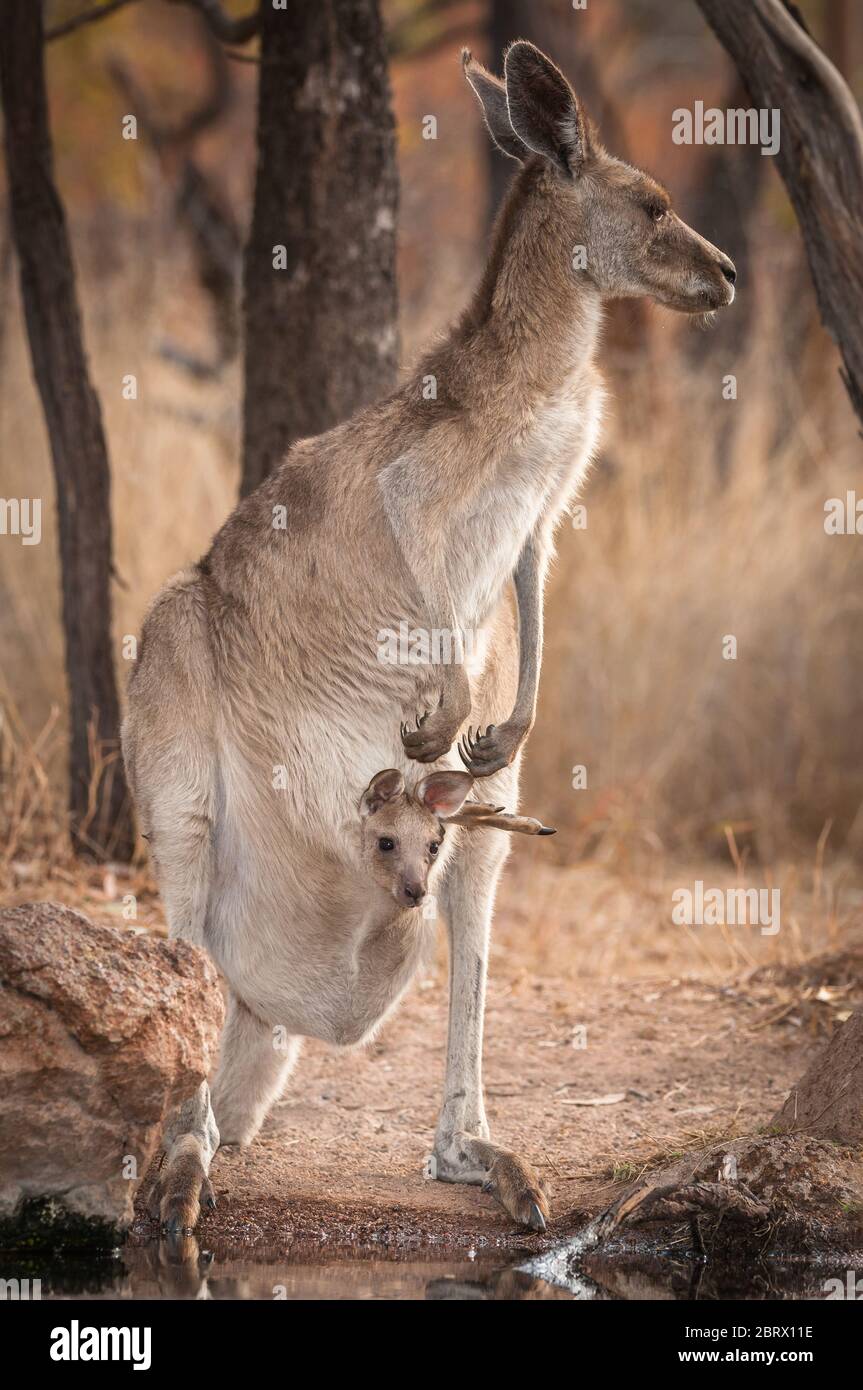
(483, 754)
(433, 736)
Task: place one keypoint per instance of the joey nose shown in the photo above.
(728, 270)
(414, 892)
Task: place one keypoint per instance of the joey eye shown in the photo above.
(433, 848)
(656, 212)
(386, 844)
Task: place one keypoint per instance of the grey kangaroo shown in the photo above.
(260, 707)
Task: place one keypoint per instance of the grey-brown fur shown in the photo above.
(259, 708)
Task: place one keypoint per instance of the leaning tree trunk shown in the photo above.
(820, 156)
(319, 276)
(827, 1101)
(100, 814)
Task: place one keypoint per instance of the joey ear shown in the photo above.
(492, 98)
(444, 792)
(544, 111)
(384, 786)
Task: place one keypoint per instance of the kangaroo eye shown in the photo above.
(433, 848)
(386, 844)
(656, 212)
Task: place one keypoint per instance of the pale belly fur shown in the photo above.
(296, 929)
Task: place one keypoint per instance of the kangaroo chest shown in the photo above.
(533, 485)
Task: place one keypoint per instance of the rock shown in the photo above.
(102, 1031)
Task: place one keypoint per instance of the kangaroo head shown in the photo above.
(634, 243)
(402, 832)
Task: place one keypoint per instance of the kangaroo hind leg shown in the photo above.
(181, 1184)
(255, 1063)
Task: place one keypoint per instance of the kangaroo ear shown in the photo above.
(384, 786)
(492, 98)
(444, 792)
(544, 111)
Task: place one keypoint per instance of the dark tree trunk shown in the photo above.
(100, 814)
(321, 334)
(827, 1101)
(723, 208)
(820, 156)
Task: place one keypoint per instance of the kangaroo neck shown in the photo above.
(534, 313)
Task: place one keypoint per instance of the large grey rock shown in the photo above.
(102, 1031)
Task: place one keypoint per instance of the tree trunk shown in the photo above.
(319, 276)
(827, 1101)
(820, 156)
(99, 806)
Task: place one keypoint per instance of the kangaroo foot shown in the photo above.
(180, 1185)
(180, 1189)
(511, 1180)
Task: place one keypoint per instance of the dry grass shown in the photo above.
(36, 858)
(598, 921)
(678, 742)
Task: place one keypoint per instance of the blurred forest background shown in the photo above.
(704, 515)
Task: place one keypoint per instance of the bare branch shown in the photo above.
(98, 802)
(86, 17)
(677, 1201)
(223, 26)
(820, 156)
(215, 237)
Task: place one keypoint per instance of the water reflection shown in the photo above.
(179, 1269)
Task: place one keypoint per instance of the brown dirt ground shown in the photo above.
(703, 1031)
(341, 1156)
(700, 1048)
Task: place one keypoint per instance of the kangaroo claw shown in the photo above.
(535, 1219)
(433, 735)
(485, 753)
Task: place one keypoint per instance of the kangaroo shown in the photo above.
(260, 690)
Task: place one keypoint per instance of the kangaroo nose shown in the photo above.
(415, 892)
(728, 271)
